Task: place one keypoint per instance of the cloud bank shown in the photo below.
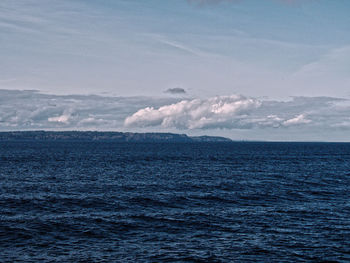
(240, 112)
(235, 116)
(29, 109)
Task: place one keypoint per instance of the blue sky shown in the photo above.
(262, 49)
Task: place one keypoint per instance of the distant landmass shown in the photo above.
(106, 136)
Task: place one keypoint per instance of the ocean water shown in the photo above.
(174, 202)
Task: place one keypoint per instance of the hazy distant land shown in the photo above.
(106, 136)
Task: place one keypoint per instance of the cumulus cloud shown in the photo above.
(239, 112)
(190, 114)
(176, 91)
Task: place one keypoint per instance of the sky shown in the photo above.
(245, 69)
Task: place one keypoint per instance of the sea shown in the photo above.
(103, 201)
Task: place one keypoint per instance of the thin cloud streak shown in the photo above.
(181, 47)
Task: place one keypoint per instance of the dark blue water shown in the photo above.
(190, 202)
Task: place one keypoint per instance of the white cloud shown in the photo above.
(62, 119)
(225, 111)
(300, 119)
(239, 112)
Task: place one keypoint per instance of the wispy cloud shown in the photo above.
(181, 47)
(333, 61)
(7, 80)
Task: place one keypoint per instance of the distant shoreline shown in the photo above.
(113, 136)
(105, 136)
